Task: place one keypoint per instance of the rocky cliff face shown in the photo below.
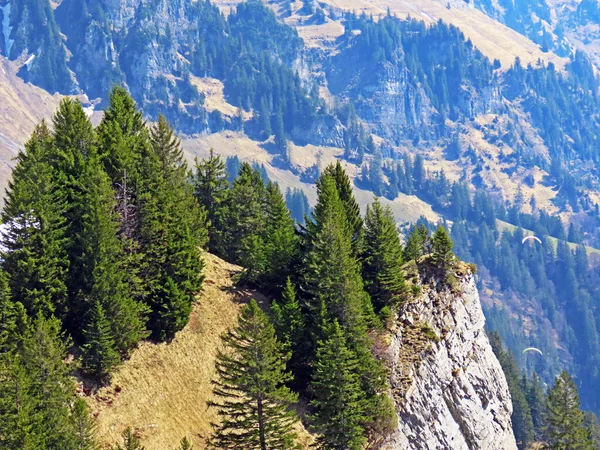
(449, 389)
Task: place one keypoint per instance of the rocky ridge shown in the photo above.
(448, 387)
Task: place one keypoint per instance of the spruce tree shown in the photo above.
(83, 426)
(51, 389)
(338, 399)
(244, 214)
(332, 273)
(442, 255)
(100, 263)
(351, 208)
(172, 233)
(130, 441)
(210, 188)
(414, 248)
(280, 239)
(122, 139)
(18, 414)
(100, 354)
(565, 427)
(333, 289)
(9, 332)
(74, 143)
(34, 256)
(185, 444)
(255, 405)
(288, 321)
(382, 257)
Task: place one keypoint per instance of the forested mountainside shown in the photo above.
(360, 342)
(499, 144)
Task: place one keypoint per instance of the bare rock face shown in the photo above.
(448, 387)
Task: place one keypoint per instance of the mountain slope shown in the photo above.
(162, 390)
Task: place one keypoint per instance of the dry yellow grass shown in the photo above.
(22, 107)
(214, 100)
(162, 390)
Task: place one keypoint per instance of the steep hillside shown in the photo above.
(162, 390)
(21, 108)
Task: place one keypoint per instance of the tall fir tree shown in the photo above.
(415, 247)
(122, 139)
(34, 256)
(565, 429)
(74, 143)
(441, 248)
(244, 214)
(280, 239)
(84, 428)
(210, 188)
(172, 234)
(351, 208)
(332, 273)
(100, 353)
(338, 399)
(333, 288)
(382, 257)
(100, 262)
(255, 405)
(8, 318)
(288, 321)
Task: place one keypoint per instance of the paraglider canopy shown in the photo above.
(526, 238)
(533, 349)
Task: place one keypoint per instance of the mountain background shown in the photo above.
(482, 115)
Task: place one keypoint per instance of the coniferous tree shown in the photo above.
(332, 273)
(351, 208)
(243, 214)
(210, 188)
(18, 415)
(35, 258)
(255, 403)
(442, 255)
(100, 354)
(83, 426)
(565, 421)
(338, 398)
(130, 441)
(280, 241)
(333, 286)
(288, 321)
(122, 140)
(382, 257)
(100, 263)
(172, 233)
(10, 314)
(414, 248)
(185, 444)
(74, 143)
(50, 388)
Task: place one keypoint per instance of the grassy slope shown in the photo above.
(22, 106)
(162, 390)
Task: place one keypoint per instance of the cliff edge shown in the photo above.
(448, 387)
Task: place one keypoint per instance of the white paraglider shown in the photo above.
(533, 349)
(526, 238)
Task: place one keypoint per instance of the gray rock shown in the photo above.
(457, 396)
